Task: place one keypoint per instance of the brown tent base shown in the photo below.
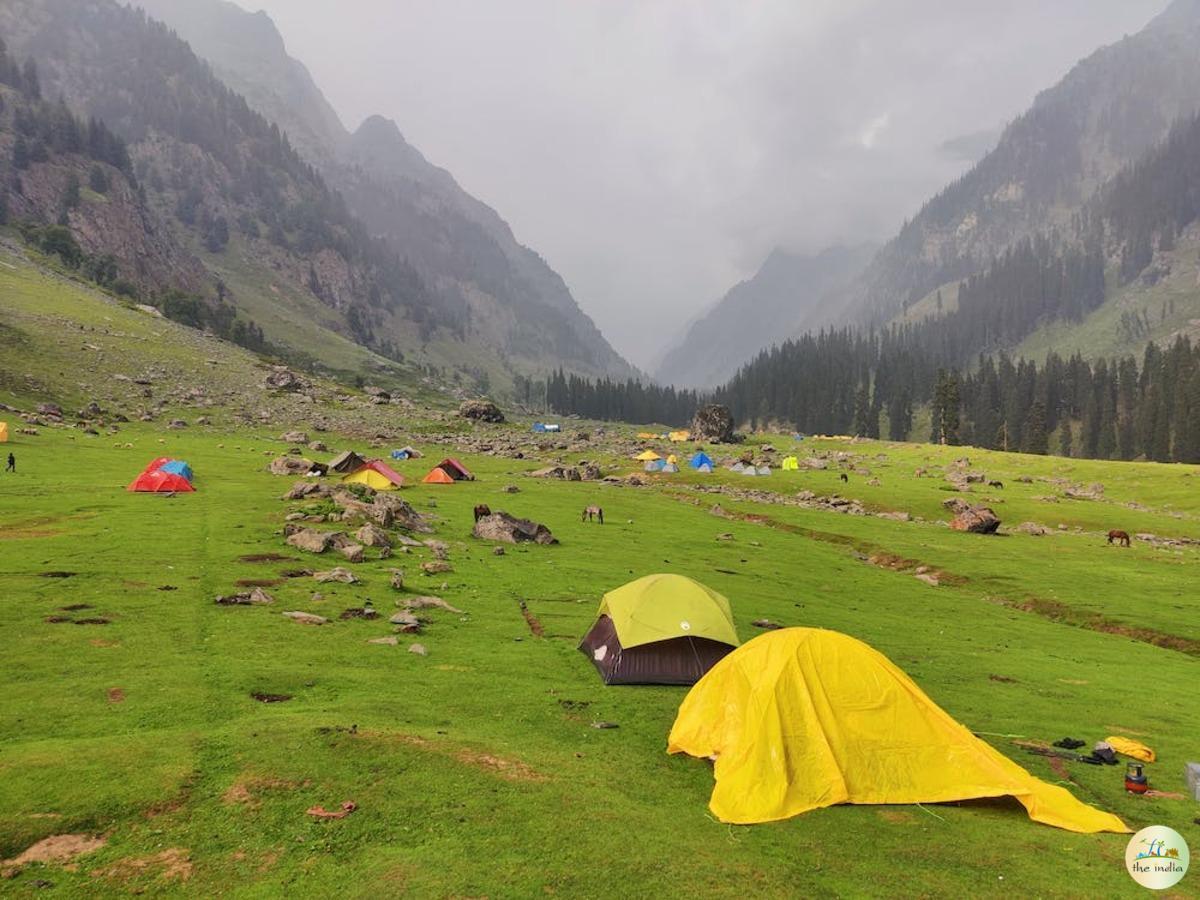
(679, 660)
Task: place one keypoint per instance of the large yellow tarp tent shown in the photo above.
(3, 432)
(679, 437)
(659, 607)
(790, 464)
(803, 718)
(647, 456)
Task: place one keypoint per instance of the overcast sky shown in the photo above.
(654, 151)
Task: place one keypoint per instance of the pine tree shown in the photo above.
(1035, 438)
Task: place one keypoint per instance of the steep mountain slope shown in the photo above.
(1109, 109)
(458, 244)
(782, 298)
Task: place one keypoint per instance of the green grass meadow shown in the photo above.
(476, 768)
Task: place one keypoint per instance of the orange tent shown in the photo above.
(437, 475)
(455, 469)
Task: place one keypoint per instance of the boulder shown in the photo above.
(302, 489)
(290, 465)
(480, 411)
(390, 510)
(1032, 528)
(305, 618)
(405, 619)
(281, 378)
(53, 410)
(337, 573)
(398, 579)
(373, 536)
(976, 519)
(501, 526)
(256, 597)
(436, 567)
(352, 552)
(294, 437)
(390, 640)
(430, 603)
(566, 473)
(712, 423)
(312, 541)
(418, 649)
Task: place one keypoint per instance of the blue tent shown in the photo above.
(655, 465)
(177, 467)
(701, 459)
(539, 427)
(399, 454)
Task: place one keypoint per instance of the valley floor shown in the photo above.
(476, 770)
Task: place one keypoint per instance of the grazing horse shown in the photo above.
(1119, 537)
(996, 484)
(845, 478)
(593, 512)
(482, 510)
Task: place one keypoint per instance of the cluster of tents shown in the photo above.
(652, 462)
(749, 469)
(802, 718)
(375, 473)
(675, 437)
(164, 476)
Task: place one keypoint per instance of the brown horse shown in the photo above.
(1119, 537)
(996, 484)
(482, 510)
(593, 512)
(845, 478)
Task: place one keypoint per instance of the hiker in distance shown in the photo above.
(12, 464)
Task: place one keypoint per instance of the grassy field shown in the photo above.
(476, 768)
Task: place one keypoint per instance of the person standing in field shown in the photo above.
(12, 464)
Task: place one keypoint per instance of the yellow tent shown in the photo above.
(647, 456)
(374, 473)
(660, 607)
(3, 432)
(672, 460)
(679, 437)
(790, 464)
(803, 718)
(646, 435)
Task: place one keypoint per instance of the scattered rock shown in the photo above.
(352, 552)
(430, 603)
(391, 640)
(281, 378)
(497, 550)
(767, 624)
(405, 619)
(418, 649)
(271, 698)
(291, 465)
(373, 536)
(976, 519)
(312, 541)
(255, 597)
(511, 489)
(345, 576)
(928, 577)
(436, 567)
(294, 437)
(1032, 528)
(306, 618)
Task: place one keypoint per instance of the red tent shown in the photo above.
(159, 482)
(157, 464)
(455, 469)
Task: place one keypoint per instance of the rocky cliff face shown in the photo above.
(1110, 109)
(517, 304)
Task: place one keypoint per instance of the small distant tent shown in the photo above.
(347, 461)
(437, 475)
(654, 465)
(670, 468)
(455, 469)
(156, 479)
(701, 459)
(704, 469)
(749, 470)
(678, 437)
(660, 629)
(802, 718)
(410, 453)
(539, 428)
(3, 432)
(377, 474)
(764, 470)
(738, 467)
(672, 459)
(399, 455)
(646, 435)
(647, 456)
(553, 428)
(790, 464)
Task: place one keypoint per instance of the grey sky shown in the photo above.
(654, 151)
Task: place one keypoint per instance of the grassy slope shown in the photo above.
(1099, 333)
(472, 772)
